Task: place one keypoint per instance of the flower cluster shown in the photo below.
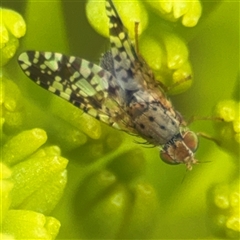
(226, 210)
(32, 177)
(32, 185)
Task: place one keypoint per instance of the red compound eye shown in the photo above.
(167, 159)
(191, 140)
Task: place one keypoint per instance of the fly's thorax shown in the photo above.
(153, 122)
(181, 149)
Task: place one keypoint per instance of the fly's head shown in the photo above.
(181, 149)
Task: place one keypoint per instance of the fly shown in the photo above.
(121, 92)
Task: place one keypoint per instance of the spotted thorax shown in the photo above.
(121, 92)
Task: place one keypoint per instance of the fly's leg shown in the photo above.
(196, 118)
(202, 134)
(169, 89)
(136, 37)
(209, 137)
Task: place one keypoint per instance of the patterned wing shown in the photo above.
(131, 71)
(78, 81)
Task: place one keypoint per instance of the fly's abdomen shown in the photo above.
(153, 122)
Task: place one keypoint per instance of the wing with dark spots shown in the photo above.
(84, 84)
(130, 69)
(122, 50)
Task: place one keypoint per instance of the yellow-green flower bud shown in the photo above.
(11, 103)
(88, 125)
(236, 124)
(229, 131)
(226, 110)
(12, 27)
(236, 128)
(221, 197)
(23, 145)
(47, 151)
(45, 178)
(66, 136)
(182, 79)
(45, 198)
(24, 224)
(110, 213)
(130, 12)
(6, 186)
(194, 11)
(190, 11)
(14, 22)
(176, 50)
(142, 218)
(152, 51)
